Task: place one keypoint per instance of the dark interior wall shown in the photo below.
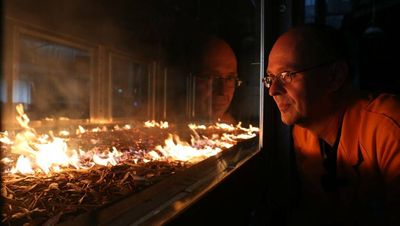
(127, 25)
(374, 29)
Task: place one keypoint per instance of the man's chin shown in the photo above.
(287, 119)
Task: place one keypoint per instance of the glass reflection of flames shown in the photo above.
(47, 152)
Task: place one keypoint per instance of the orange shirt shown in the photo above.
(368, 164)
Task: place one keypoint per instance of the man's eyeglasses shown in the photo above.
(286, 77)
(230, 81)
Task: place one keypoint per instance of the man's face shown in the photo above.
(305, 99)
(215, 84)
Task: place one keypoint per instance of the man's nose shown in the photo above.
(276, 88)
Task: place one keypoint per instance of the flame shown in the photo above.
(105, 159)
(152, 123)
(80, 130)
(117, 127)
(194, 126)
(175, 149)
(202, 147)
(225, 127)
(47, 153)
(64, 133)
(23, 166)
(44, 152)
(4, 138)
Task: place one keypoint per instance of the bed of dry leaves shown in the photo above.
(47, 199)
(41, 199)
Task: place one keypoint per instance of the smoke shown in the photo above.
(59, 47)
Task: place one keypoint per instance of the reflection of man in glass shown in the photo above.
(215, 71)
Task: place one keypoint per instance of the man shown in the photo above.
(347, 143)
(214, 66)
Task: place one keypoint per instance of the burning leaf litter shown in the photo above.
(49, 178)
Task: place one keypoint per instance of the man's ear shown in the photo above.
(340, 72)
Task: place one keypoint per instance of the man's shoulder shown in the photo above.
(380, 106)
(373, 115)
(387, 104)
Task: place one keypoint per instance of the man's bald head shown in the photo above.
(212, 53)
(308, 44)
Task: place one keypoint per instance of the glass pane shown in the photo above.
(53, 79)
(129, 88)
(153, 120)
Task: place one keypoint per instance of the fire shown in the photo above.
(48, 153)
(105, 159)
(4, 138)
(152, 123)
(45, 152)
(23, 166)
(203, 147)
(225, 127)
(175, 149)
